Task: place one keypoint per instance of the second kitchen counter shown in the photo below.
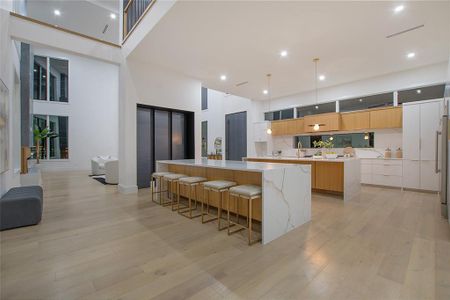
(340, 176)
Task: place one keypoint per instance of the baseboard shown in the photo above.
(130, 189)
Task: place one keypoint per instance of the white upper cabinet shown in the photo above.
(411, 132)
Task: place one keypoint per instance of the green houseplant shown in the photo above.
(326, 146)
(41, 135)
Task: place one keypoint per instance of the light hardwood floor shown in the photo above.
(94, 243)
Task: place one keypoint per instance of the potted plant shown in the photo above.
(41, 135)
(326, 148)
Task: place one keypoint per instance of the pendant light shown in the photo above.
(316, 60)
(269, 129)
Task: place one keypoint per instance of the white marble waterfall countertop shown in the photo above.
(286, 191)
(229, 164)
(338, 159)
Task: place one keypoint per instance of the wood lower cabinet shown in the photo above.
(329, 176)
(355, 120)
(386, 118)
(287, 127)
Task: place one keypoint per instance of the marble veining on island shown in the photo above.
(286, 190)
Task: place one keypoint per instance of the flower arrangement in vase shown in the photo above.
(326, 148)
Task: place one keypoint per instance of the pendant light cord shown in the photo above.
(316, 60)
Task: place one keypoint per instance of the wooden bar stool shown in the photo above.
(156, 184)
(171, 180)
(218, 186)
(247, 192)
(189, 182)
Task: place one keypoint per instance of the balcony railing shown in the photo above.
(133, 12)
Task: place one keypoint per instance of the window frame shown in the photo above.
(47, 79)
(47, 141)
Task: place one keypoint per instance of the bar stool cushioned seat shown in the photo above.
(157, 176)
(218, 186)
(248, 190)
(171, 179)
(189, 182)
(192, 179)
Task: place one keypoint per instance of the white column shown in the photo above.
(127, 132)
(395, 98)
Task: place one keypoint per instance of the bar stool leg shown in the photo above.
(189, 201)
(250, 210)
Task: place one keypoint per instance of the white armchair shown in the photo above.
(98, 164)
(112, 172)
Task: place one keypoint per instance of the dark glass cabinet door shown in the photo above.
(162, 135)
(178, 136)
(236, 136)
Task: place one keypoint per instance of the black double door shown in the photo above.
(162, 134)
(236, 136)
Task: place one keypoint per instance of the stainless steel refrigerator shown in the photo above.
(445, 160)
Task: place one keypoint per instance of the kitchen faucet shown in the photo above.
(300, 149)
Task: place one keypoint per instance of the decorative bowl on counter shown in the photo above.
(331, 155)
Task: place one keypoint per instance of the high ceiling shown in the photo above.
(90, 17)
(243, 40)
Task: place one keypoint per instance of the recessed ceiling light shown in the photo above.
(411, 55)
(223, 77)
(113, 16)
(57, 12)
(265, 92)
(399, 8)
(419, 91)
(283, 53)
(322, 77)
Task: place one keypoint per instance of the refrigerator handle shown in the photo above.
(436, 167)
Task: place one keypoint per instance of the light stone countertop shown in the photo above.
(339, 159)
(229, 164)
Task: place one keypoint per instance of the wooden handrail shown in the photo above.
(126, 32)
(63, 29)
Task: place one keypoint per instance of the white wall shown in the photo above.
(144, 83)
(424, 76)
(221, 104)
(92, 109)
(9, 74)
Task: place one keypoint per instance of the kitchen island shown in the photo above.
(340, 176)
(286, 189)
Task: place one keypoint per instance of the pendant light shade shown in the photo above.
(316, 60)
(269, 92)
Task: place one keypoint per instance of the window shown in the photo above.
(355, 140)
(59, 80)
(360, 103)
(57, 146)
(40, 78)
(204, 138)
(316, 109)
(279, 115)
(421, 93)
(204, 98)
(50, 79)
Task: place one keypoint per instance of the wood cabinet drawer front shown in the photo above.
(387, 162)
(387, 170)
(387, 180)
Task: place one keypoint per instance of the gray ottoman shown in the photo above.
(21, 206)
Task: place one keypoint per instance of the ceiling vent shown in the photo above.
(405, 31)
(242, 83)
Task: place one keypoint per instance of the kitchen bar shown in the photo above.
(286, 189)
